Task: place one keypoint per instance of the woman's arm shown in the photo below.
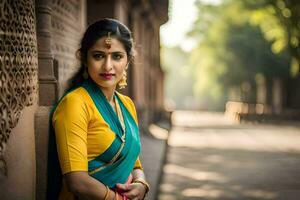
(138, 174)
(85, 187)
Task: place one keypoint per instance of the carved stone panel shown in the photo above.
(18, 65)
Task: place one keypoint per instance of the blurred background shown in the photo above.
(232, 84)
(234, 56)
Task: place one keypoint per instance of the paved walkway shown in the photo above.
(153, 156)
(211, 158)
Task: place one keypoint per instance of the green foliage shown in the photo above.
(282, 26)
(232, 49)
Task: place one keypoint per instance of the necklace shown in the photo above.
(113, 105)
(118, 111)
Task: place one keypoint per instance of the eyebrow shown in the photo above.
(99, 51)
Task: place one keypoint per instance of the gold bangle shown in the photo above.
(106, 193)
(144, 183)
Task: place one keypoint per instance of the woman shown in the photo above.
(96, 128)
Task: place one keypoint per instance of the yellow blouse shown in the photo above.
(81, 132)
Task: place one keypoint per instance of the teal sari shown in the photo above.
(117, 162)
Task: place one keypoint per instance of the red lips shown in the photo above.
(107, 76)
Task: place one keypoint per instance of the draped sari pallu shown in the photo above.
(117, 162)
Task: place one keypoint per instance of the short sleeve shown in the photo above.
(138, 164)
(70, 122)
(134, 111)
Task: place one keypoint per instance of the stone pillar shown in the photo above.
(277, 93)
(47, 79)
(261, 89)
(48, 76)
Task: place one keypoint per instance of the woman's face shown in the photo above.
(106, 64)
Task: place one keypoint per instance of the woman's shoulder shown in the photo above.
(73, 104)
(79, 94)
(125, 99)
(128, 103)
(74, 100)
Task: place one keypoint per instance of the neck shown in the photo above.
(108, 93)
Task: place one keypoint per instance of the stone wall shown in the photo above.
(67, 27)
(60, 25)
(146, 73)
(18, 85)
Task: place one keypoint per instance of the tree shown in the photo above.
(231, 51)
(282, 26)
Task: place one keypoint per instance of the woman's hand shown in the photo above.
(133, 191)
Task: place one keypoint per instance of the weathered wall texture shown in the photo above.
(67, 27)
(146, 75)
(19, 183)
(60, 25)
(18, 86)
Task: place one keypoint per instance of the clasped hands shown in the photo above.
(133, 191)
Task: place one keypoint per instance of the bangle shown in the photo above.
(106, 193)
(144, 183)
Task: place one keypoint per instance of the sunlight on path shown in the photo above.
(210, 157)
(202, 130)
(195, 119)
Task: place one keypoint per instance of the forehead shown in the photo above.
(116, 45)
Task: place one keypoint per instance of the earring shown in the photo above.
(85, 73)
(122, 83)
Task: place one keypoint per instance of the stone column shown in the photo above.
(277, 94)
(47, 79)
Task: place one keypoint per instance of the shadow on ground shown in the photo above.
(232, 162)
(229, 174)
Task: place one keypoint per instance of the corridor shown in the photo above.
(209, 157)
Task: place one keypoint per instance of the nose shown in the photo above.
(108, 63)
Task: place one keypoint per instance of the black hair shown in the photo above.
(93, 33)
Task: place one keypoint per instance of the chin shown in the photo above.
(107, 85)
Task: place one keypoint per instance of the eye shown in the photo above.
(117, 56)
(98, 56)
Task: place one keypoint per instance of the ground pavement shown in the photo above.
(209, 157)
(154, 145)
